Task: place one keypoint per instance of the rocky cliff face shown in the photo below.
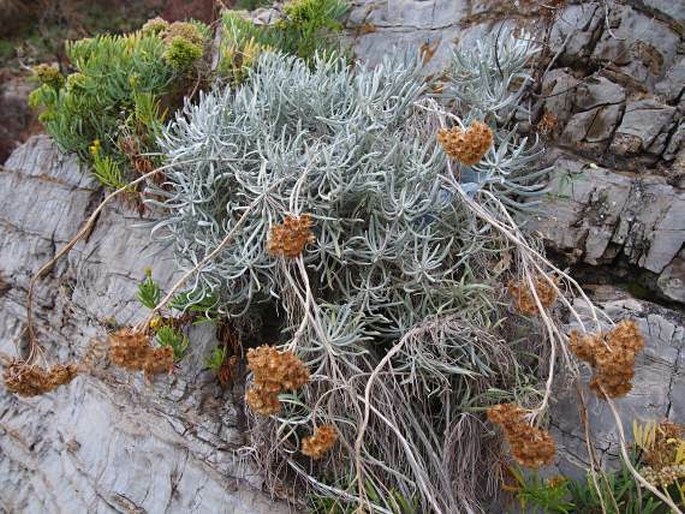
(613, 103)
(611, 108)
(110, 441)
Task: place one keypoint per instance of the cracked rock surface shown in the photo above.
(616, 203)
(109, 441)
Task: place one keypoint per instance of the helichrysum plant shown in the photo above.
(358, 205)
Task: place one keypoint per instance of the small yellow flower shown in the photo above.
(156, 322)
(95, 148)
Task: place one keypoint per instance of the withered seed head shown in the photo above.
(523, 298)
(612, 356)
(531, 447)
(466, 146)
(262, 402)
(132, 350)
(30, 380)
(322, 440)
(274, 372)
(290, 238)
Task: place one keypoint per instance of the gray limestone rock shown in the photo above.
(574, 32)
(109, 441)
(636, 45)
(597, 91)
(657, 392)
(595, 213)
(644, 120)
(672, 85)
(671, 282)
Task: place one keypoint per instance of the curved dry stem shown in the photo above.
(85, 230)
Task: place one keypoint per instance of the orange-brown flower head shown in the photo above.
(132, 350)
(290, 238)
(531, 447)
(523, 298)
(322, 440)
(467, 146)
(274, 372)
(262, 402)
(30, 380)
(612, 356)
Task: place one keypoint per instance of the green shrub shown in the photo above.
(115, 94)
(307, 27)
(167, 335)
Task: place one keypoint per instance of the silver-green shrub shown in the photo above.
(352, 149)
(400, 264)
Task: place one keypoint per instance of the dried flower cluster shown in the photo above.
(531, 447)
(667, 439)
(611, 355)
(322, 440)
(663, 455)
(665, 476)
(291, 237)
(132, 350)
(49, 75)
(466, 146)
(523, 298)
(130, 147)
(548, 124)
(30, 380)
(274, 372)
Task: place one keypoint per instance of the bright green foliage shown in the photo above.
(216, 359)
(149, 293)
(182, 54)
(114, 96)
(110, 70)
(108, 171)
(169, 336)
(203, 309)
(537, 495)
(307, 27)
(619, 493)
(306, 22)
